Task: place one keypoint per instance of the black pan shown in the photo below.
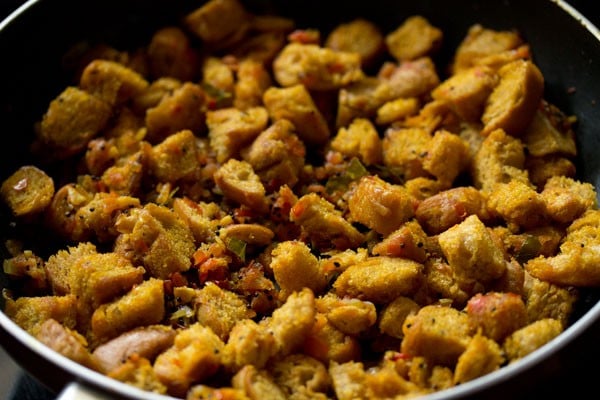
(566, 47)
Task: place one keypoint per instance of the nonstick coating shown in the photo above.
(33, 41)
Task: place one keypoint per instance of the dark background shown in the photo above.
(578, 377)
(589, 8)
(7, 6)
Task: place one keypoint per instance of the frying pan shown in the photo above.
(33, 40)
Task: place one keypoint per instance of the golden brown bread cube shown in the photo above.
(261, 46)
(143, 305)
(100, 277)
(447, 156)
(500, 158)
(257, 384)
(360, 139)
(348, 380)
(59, 266)
(423, 187)
(93, 277)
(547, 134)
(295, 267)
(497, 314)
(359, 100)
(408, 241)
(230, 129)
(112, 82)
(157, 238)
(470, 133)
(512, 280)
(548, 300)
(239, 182)
(220, 309)
(541, 169)
(576, 263)
(433, 116)
(513, 102)
(481, 357)
(324, 224)
(198, 216)
(450, 207)
(28, 191)
(497, 60)
(72, 120)
(208, 23)
(543, 240)
(393, 315)
(175, 158)
(315, 67)
(98, 216)
(467, 91)
(379, 205)
(291, 322)
(397, 110)
(440, 377)
(30, 312)
(61, 215)
(171, 54)
(301, 375)
(253, 80)
(385, 382)
(340, 261)
(182, 109)
(277, 155)
(154, 93)
(566, 198)
(414, 38)
(440, 334)
(248, 344)
(380, 279)
(101, 153)
(194, 356)
(272, 22)
(518, 204)
(202, 392)
(409, 78)
(295, 104)
(480, 43)
(125, 177)
(138, 372)
(25, 266)
(405, 150)
(440, 278)
(530, 338)
(358, 36)
(126, 129)
(471, 251)
(218, 76)
(326, 343)
(351, 316)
